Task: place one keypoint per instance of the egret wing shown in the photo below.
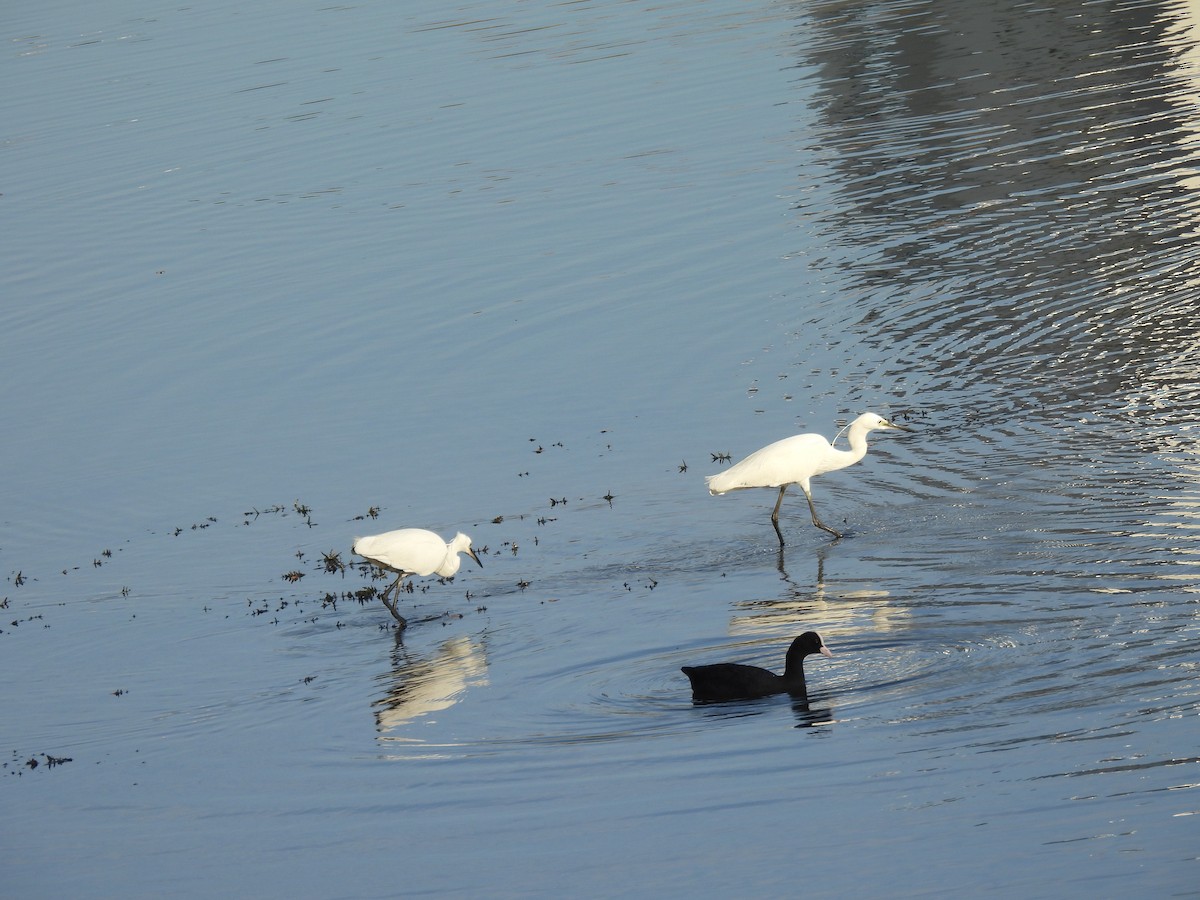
(412, 550)
(788, 461)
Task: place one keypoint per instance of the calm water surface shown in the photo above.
(276, 277)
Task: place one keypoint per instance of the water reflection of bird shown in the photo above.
(430, 685)
(734, 681)
(412, 551)
(795, 460)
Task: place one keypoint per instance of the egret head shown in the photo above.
(871, 421)
(462, 544)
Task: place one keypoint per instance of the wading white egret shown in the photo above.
(795, 460)
(735, 681)
(412, 551)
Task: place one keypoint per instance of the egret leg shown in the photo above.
(816, 521)
(775, 515)
(394, 586)
(391, 607)
(778, 503)
(399, 618)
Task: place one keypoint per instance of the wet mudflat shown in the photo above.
(281, 278)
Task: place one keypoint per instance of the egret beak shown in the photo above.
(825, 651)
(889, 424)
(471, 553)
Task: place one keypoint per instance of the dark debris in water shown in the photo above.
(16, 622)
(332, 562)
(336, 562)
(18, 766)
(197, 526)
(649, 584)
(254, 512)
(303, 510)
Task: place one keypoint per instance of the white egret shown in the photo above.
(795, 460)
(735, 681)
(413, 551)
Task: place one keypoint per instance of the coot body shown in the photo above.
(736, 681)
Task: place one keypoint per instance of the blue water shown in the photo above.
(275, 277)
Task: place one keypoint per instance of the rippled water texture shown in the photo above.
(278, 277)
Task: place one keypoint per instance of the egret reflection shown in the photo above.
(841, 607)
(424, 686)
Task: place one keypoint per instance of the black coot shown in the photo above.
(734, 681)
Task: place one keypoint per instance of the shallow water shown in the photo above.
(486, 267)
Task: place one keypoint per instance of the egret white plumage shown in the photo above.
(796, 460)
(413, 551)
